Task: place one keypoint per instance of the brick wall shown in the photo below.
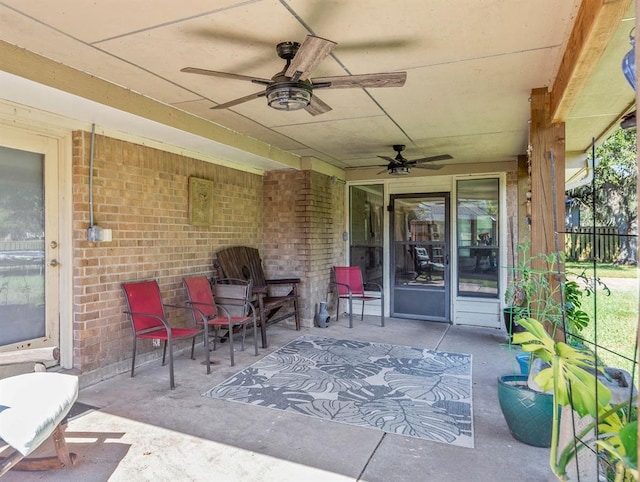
(141, 194)
(303, 225)
(327, 246)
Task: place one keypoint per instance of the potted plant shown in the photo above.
(531, 293)
(540, 288)
(533, 289)
(549, 296)
(577, 381)
(528, 412)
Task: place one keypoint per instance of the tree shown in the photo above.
(613, 191)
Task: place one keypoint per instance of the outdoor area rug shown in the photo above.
(397, 389)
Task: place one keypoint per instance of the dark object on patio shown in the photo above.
(231, 308)
(322, 317)
(348, 280)
(34, 408)
(149, 321)
(243, 262)
(511, 316)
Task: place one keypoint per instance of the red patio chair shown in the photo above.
(149, 321)
(233, 310)
(348, 280)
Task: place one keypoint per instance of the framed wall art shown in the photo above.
(200, 201)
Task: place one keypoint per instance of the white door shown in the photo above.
(29, 240)
(420, 256)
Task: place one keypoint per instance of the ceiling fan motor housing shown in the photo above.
(287, 50)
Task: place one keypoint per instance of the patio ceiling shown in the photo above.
(470, 70)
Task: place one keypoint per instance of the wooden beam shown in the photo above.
(545, 138)
(595, 24)
(547, 158)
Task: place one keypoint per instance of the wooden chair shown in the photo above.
(230, 308)
(33, 408)
(276, 299)
(348, 280)
(149, 321)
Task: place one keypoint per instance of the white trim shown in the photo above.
(65, 234)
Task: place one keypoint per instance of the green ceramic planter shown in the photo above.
(529, 414)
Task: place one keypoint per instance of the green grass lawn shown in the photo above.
(603, 270)
(614, 318)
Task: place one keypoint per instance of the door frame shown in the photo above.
(35, 131)
(482, 312)
(447, 255)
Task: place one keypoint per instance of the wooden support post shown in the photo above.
(544, 138)
(547, 181)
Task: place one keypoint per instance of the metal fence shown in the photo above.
(582, 243)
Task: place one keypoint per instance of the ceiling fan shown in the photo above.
(292, 89)
(399, 166)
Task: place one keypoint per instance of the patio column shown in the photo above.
(546, 137)
(546, 140)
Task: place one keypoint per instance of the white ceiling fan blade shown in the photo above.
(312, 51)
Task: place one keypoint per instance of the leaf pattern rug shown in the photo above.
(397, 389)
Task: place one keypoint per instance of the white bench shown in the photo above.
(32, 408)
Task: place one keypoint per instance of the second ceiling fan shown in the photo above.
(292, 89)
(399, 166)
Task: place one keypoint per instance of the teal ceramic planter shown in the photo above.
(529, 414)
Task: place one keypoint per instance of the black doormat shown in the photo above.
(78, 409)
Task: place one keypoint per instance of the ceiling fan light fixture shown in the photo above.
(399, 170)
(289, 95)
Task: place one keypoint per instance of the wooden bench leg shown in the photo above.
(61, 446)
(6, 463)
(62, 460)
(263, 320)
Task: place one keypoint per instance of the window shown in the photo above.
(22, 226)
(478, 211)
(366, 215)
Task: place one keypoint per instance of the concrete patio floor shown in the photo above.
(142, 431)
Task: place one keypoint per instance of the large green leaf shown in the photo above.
(629, 439)
(574, 380)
